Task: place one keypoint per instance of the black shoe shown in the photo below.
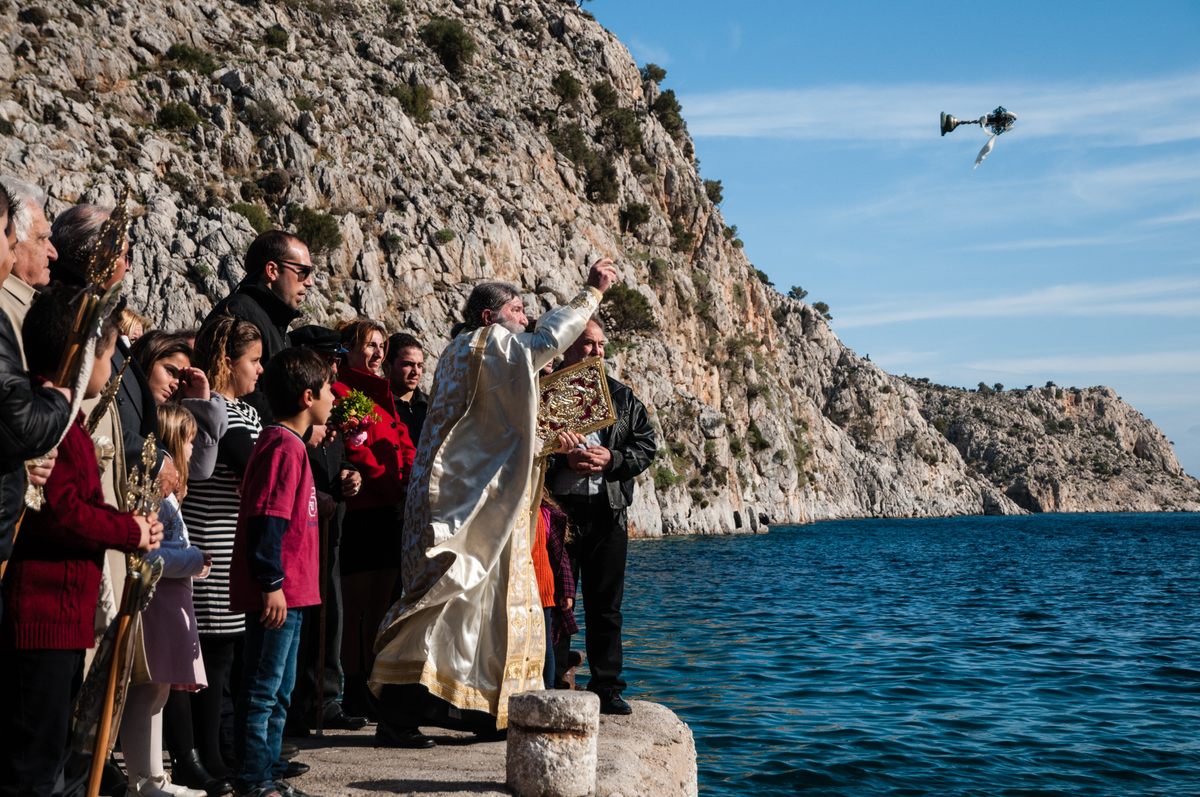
(288, 790)
(613, 703)
(294, 731)
(408, 738)
(288, 750)
(112, 779)
(218, 787)
(339, 720)
(295, 769)
(186, 770)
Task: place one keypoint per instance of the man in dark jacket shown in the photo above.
(594, 484)
(279, 272)
(31, 418)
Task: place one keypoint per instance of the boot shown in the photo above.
(187, 770)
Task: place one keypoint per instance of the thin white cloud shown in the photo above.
(1183, 217)
(1161, 297)
(1152, 362)
(647, 53)
(1149, 111)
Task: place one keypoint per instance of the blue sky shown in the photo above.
(1072, 254)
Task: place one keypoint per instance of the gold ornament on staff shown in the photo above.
(96, 302)
(102, 699)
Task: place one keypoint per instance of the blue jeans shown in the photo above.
(262, 706)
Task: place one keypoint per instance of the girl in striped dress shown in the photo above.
(229, 351)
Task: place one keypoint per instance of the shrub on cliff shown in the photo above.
(682, 240)
(177, 116)
(254, 214)
(189, 58)
(567, 87)
(713, 189)
(823, 310)
(634, 215)
(318, 230)
(415, 100)
(654, 73)
(622, 124)
(669, 113)
(606, 96)
(263, 118)
(450, 40)
(602, 183)
(276, 36)
(627, 311)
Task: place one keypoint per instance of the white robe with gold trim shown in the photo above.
(470, 625)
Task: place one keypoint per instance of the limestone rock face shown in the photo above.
(1053, 449)
(413, 181)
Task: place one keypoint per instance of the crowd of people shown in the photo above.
(409, 571)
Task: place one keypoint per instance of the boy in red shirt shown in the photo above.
(53, 580)
(276, 562)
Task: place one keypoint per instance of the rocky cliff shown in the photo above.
(423, 145)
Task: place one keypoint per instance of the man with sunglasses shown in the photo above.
(279, 272)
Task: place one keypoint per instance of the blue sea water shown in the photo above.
(1050, 654)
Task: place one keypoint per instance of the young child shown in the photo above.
(276, 562)
(556, 581)
(53, 580)
(171, 645)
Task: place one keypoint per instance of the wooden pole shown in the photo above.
(320, 701)
(104, 729)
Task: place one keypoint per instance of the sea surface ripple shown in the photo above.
(1051, 654)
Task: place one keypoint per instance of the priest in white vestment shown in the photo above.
(469, 627)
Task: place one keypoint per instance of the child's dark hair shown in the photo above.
(288, 375)
(48, 324)
(224, 336)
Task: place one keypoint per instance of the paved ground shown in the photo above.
(649, 753)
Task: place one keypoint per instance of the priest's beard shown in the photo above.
(512, 326)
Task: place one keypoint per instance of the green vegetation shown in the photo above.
(254, 214)
(658, 268)
(669, 112)
(33, 16)
(664, 478)
(571, 141)
(654, 72)
(602, 181)
(628, 311)
(304, 104)
(452, 43)
(396, 8)
(275, 182)
(634, 215)
(444, 236)
(415, 100)
(764, 278)
(6, 128)
(191, 59)
(263, 118)
(713, 189)
(758, 440)
(177, 116)
(682, 240)
(626, 131)
(318, 230)
(797, 293)
(823, 310)
(276, 36)
(567, 87)
(606, 96)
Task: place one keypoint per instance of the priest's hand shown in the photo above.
(274, 610)
(602, 275)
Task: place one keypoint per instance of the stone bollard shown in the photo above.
(552, 743)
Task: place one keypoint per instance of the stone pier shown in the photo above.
(649, 753)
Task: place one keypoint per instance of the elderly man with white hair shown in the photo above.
(33, 252)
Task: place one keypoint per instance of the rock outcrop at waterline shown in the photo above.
(423, 145)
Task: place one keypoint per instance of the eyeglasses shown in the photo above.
(303, 270)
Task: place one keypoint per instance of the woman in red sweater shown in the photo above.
(370, 554)
(53, 579)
